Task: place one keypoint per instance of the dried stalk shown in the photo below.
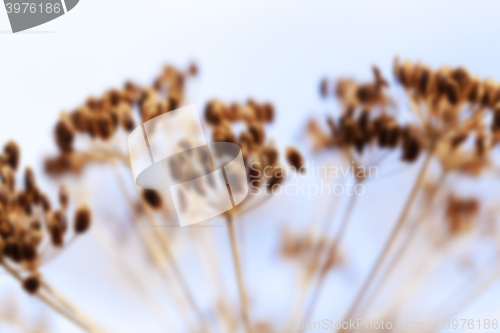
(395, 232)
(239, 273)
(69, 313)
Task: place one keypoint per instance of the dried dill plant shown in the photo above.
(93, 133)
(30, 228)
(453, 123)
(453, 119)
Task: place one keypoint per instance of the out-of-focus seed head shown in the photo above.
(152, 198)
(411, 146)
(12, 154)
(295, 159)
(63, 196)
(59, 219)
(83, 219)
(28, 251)
(271, 154)
(79, 120)
(324, 87)
(65, 135)
(258, 133)
(29, 180)
(12, 250)
(46, 206)
(32, 284)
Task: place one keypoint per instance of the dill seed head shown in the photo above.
(12, 250)
(105, 126)
(56, 235)
(127, 121)
(59, 219)
(93, 103)
(257, 132)
(323, 88)
(269, 112)
(113, 97)
(32, 284)
(271, 153)
(451, 91)
(274, 175)
(480, 145)
(29, 180)
(411, 147)
(28, 251)
(295, 159)
(458, 140)
(153, 198)
(83, 217)
(475, 92)
(424, 80)
(45, 202)
(214, 112)
(368, 93)
(174, 101)
(495, 124)
(193, 69)
(4, 196)
(23, 201)
(65, 135)
(379, 79)
(63, 196)
(12, 154)
(459, 213)
(79, 120)
(6, 228)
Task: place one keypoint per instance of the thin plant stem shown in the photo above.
(404, 247)
(175, 268)
(59, 297)
(155, 255)
(111, 248)
(478, 292)
(239, 272)
(67, 313)
(302, 284)
(468, 282)
(395, 232)
(332, 252)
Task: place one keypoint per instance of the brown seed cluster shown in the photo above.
(449, 107)
(28, 223)
(305, 249)
(118, 110)
(460, 213)
(257, 152)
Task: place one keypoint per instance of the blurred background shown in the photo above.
(276, 51)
